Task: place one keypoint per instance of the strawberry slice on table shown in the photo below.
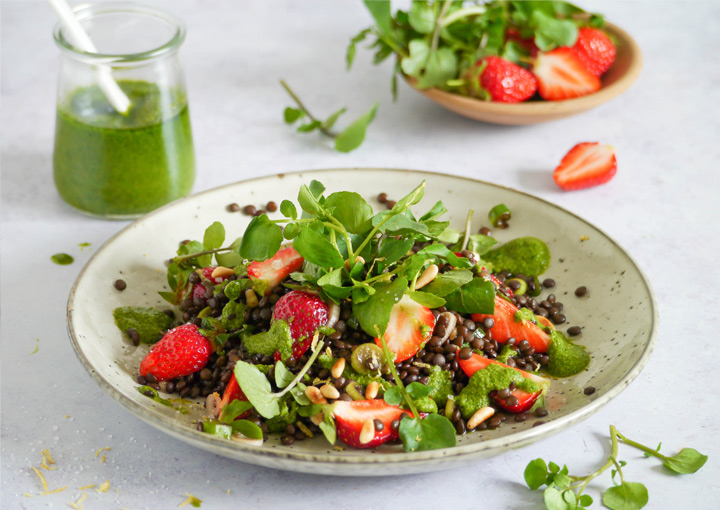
(411, 325)
(198, 289)
(595, 50)
(182, 351)
(233, 392)
(505, 81)
(525, 399)
(352, 416)
(305, 313)
(506, 326)
(586, 165)
(561, 75)
(270, 272)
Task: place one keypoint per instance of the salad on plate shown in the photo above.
(365, 327)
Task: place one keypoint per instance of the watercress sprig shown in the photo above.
(565, 492)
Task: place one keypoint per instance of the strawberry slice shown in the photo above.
(587, 164)
(525, 398)
(198, 289)
(232, 393)
(561, 75)
(305, 313)
(411, 325)
(506, 326)
(267, 274)
(352, 416)
(595, 50)
(182, 351)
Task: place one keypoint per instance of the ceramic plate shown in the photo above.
(618, 315)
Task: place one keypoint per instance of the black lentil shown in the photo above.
(120, 284)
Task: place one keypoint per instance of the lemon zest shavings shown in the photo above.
(103, 458)
(584, 238)
(92, 485)
(304, 429)
(104, 486)
(105, 448)
(79, 503)
(37, 347)
(192, 500)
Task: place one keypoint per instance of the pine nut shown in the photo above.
(330, 391)
(338, 368)
(427, 276)
(251, 298)
(480, 416)
(372, 390)
(222, 272)
(317, 419)
(367, 433)
(314, 395)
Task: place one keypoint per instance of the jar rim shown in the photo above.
(88, 10)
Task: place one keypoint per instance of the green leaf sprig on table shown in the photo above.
(346, 140)
(438, 43)
(566, 492)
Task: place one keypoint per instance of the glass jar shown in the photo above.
(114, 165)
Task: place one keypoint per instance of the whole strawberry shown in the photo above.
(595, 50)
(182, 351)
(305, 313)
(506, 82)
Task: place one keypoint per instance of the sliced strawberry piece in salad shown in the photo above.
(561, 75)
(233, 392)
(267, 274)
(355, 422)
(305, 313)
(411, 325)
(525, 399)
(198, 289)
(505, 326)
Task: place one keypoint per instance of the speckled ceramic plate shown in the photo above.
(619, 291)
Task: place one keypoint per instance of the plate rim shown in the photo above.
(247, 453)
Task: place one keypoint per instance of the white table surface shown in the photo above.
(662, 207)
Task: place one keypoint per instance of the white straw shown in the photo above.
(81, 39)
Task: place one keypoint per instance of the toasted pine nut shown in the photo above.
(367, 433)
(480, 416)
(372, 390)
(330, 391)
(251, 298)
(317, 419)
(338, 368)
(427, 276)
(222, 272)
(314, 395)
(212, 404)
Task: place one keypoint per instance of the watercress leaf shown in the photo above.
(298, 393)
(412, 265)
(551, 32)
(626, 496)
(413, 64)
(562, 481)
(450, 236)
(309, 127)
(480, 244)
(283, 376)
(437, 210)
(292, 114)
(554, 468)
(317, 249)
(352, 47)
(247, 429)
(524, 255)
(170, 297)
(351, 210)
(441, 66)
(426, 299)
(585, 500)
(214, 236)
(391, 249)
(401, 225)
(256, 388)
(231, 258)
(514, 52)
(309, 201)
(448, 282)
(570, 497)
(374, 314)
(332, 119)
(234, 409)
(436, 228)
(431, 433)
(554, 500)
(477, 296)
(287, 209)
(418, 390)
(215, 428)
(686, 461)
(332, 284)
(317, 188)
(393, 396)
(327, 427)
(291, 230)
(353, 135)
(310, 410)
(380, 11)
(411, 198)
(535, 473)
(421, 17)
(262, 239)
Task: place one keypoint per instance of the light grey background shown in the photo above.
(662, 206)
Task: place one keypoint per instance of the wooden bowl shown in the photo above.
(622, 74)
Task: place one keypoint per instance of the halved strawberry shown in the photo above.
(198, 289)
(233, 392)
(305, 313)
(595, 50)
(587, 164)
(182, 351)
(267, 274)
(525, 398)
(352, 416)
(561, 75)
(506, 326)
(411, 325)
